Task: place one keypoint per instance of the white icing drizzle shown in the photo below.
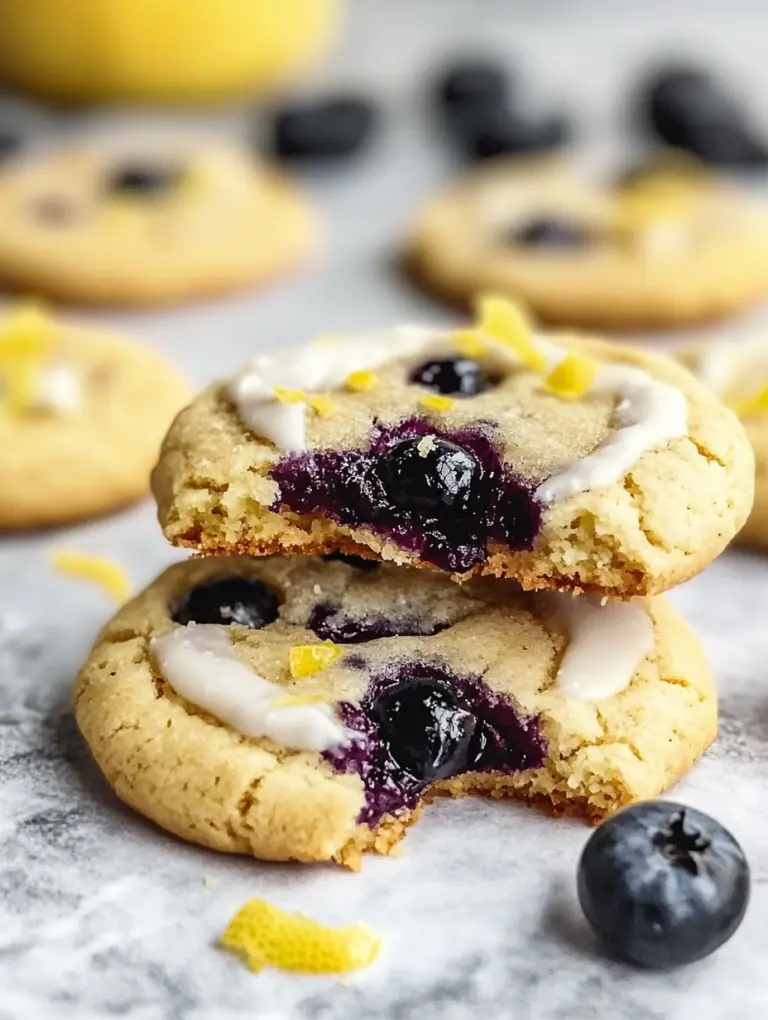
(649, 414)
(312, 369)
(199, 662)
(607, 641)
(60, 388)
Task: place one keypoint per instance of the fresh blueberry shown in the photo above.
(331, 128)
(138, 179)
(430, 474)
(663, 884)
(551, 232)
(227, 600)
(461, 377)
(487, 131)
(426, 732)
(358, 562)
(472, 80)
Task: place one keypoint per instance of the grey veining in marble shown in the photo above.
(101, 914)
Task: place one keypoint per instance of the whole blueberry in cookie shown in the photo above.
(430, 474)
(472, 80)
(241, 600)
(488, 131)
(551, 232)
(331, 128)
(143, 179)
(460, 377)
(663, 884)
(425, 730)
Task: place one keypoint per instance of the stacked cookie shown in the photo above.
(347, 648)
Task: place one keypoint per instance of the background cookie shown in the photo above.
(444, 689)
(672, 246)
(471, 463)
(81, 419)
(147, 225)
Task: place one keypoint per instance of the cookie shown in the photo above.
(558, 461)
(81, 419)
(738, 372)
(664, 247)
(147, 225)
(301, 708)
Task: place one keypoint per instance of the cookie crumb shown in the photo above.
(101, 571)
(264, 935)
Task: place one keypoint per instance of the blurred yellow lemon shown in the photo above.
(72, 51)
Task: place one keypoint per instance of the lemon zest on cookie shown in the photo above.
(469, 342)
(27, 331)
(572, 377)
(506, 323)
(306, 660)
(20, 379)
(361, 381)
(264, 935)
(98, 569)
(435, 402)
(294, 700)
(752, 405)
(290, 396)
(322, 405)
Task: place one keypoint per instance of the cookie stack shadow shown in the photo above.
(433, 564)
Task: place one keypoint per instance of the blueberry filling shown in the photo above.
(460, 377)
(358, 562)
(551, 232)
(227, 600)
(441, 496)
(135, 179)
(420, 723)
(331, 623)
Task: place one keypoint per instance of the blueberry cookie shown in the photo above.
(657, 248)
(738, 372)
(146, 226)
(303, 708)
(559, 461)
(81, 419)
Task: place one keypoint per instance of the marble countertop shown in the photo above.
(103, 915)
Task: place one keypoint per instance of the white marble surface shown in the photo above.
(102, 915)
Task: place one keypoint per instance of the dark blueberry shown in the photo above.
(487, 131)
(327, 129)
(550, 232)
(241, 600)
(358, 562)
(138, 179)
(663, 884)
(431, 475)
(461, 377)
(426, 732)
(333, 623)
(9, 144)
(690, 109)
(420, 723)
(472, 80)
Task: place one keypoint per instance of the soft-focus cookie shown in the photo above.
(667, 246)
(146, 225)
(301, 709)
(558, 461)
(81, 419)
(738, 372)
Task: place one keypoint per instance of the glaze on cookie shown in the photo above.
(559, 461)
(265, 738)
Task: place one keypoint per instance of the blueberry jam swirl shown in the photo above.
(440, 495)
(421, 723)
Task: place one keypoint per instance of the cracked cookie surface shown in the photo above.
(490, 657)
(661, 249)
(223, 488)
(147, 224)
